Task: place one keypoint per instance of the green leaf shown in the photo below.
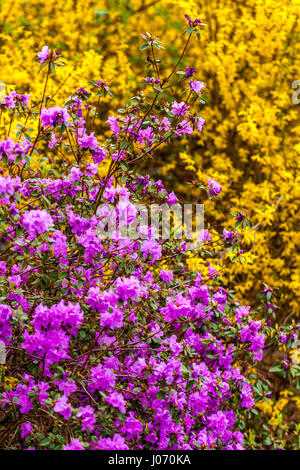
(45, 442)
(190, 385)
(161, 395)
(100, 12)
(277, 368)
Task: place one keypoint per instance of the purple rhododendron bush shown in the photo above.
(112, 342)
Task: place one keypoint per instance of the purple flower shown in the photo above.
(166, 276)
(240, 217)
(128, 288)
(190, 71)
(267, 290)
(87, 141)
(183, 127)
(2, 264)
(63, 408)
(66, 387)
(43, 395)
(37, 221)
(114, 126)
(99, 154)
(164, 124)
(113, 319)
(179, 109)
(5, 326)
(151, 247)
(212, 272)
(283, 338)
(116, 400)
(246, 396)
(52, 116)
(132, 427)
(86, 413)
(25, 99)
(197, 86)
(204, 236)
(44, 54)
(10, 100)
(152, 80)
(102, 377)
(172, 199)
(115, 443)
(75, 444)
(12, 149)
(242, 312)
(59, 245)
(8, 186)
(193, 22)
(214, 188)
(200, 124)
(26, 429)
(229, 236)
(75, 174)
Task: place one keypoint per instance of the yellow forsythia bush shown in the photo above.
(248, 57)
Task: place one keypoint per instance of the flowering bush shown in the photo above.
(113, 342)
